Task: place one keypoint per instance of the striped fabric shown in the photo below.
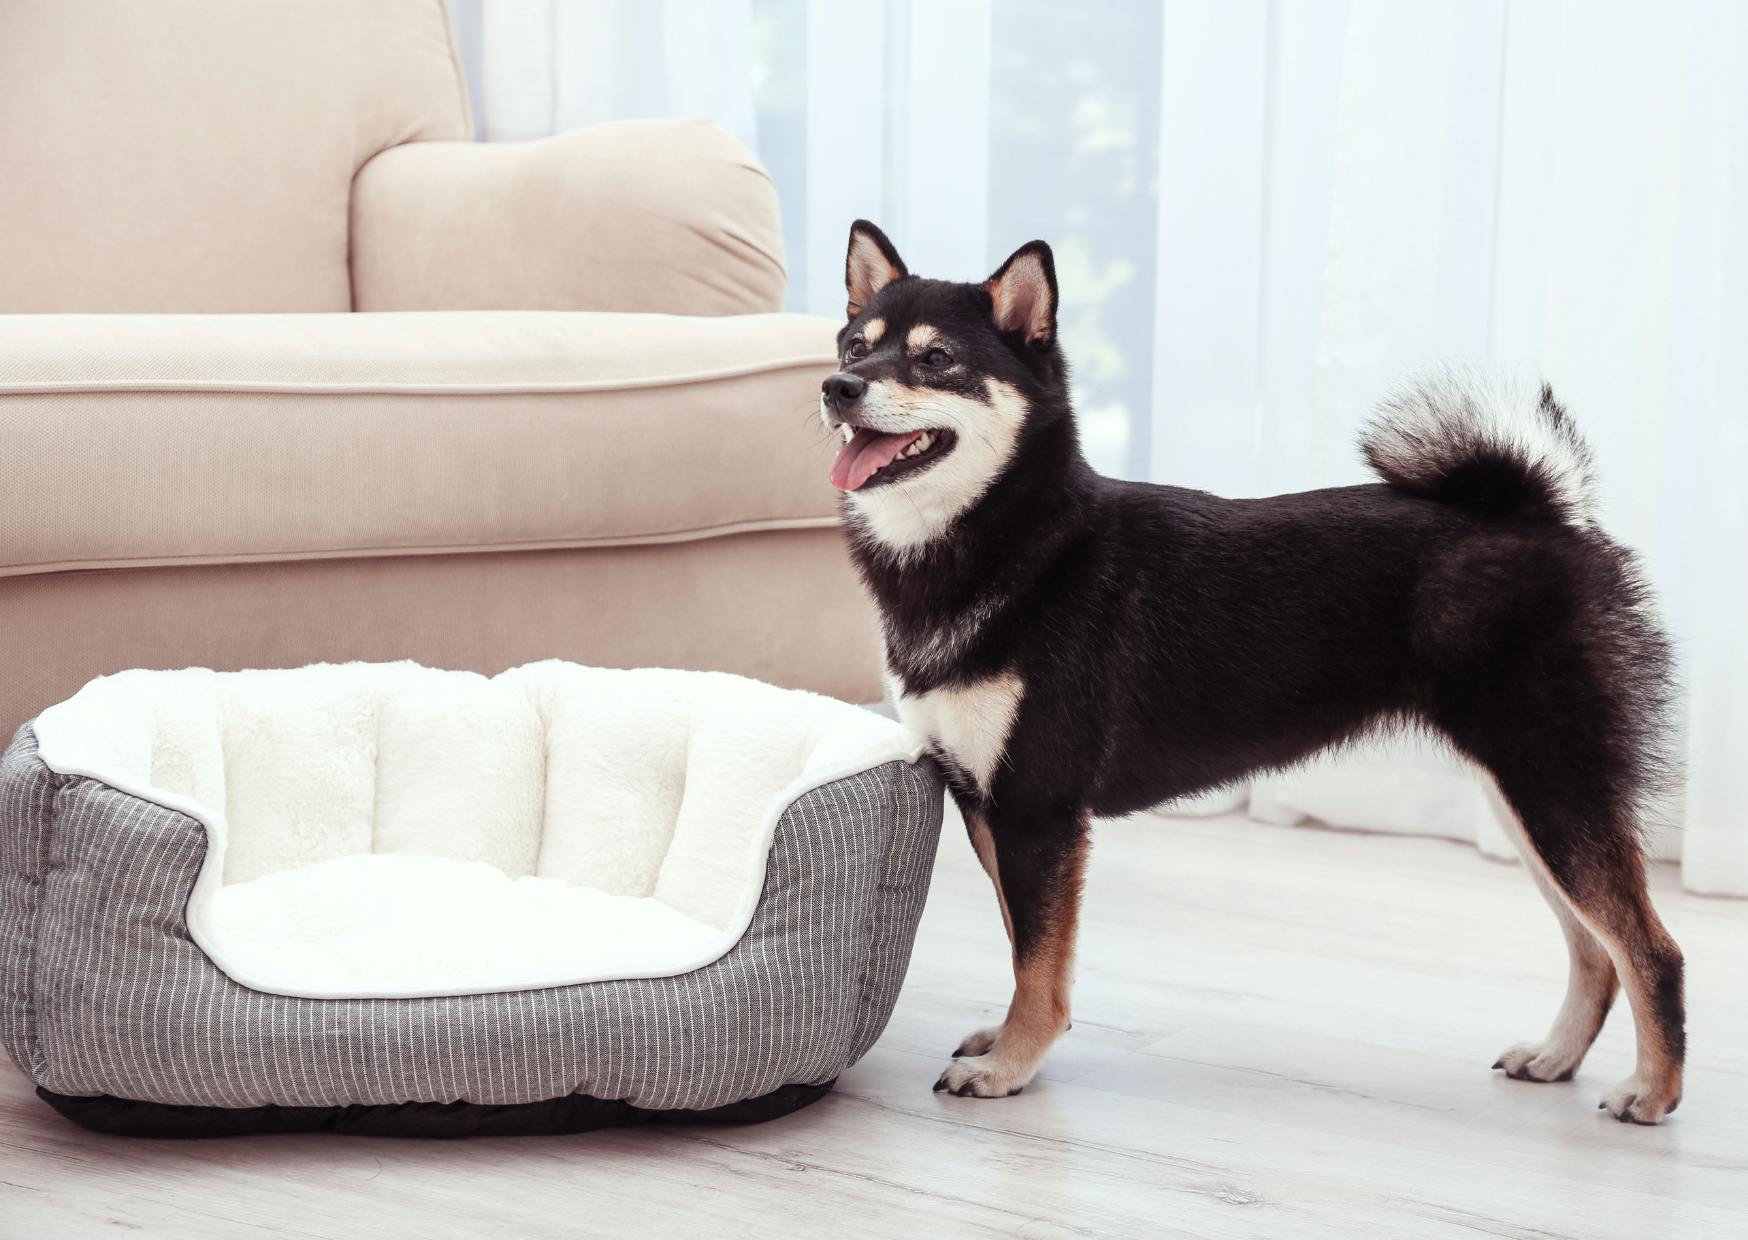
(103, 992)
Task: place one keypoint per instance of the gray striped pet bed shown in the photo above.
(388, 899)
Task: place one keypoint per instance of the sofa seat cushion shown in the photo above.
(140, 440)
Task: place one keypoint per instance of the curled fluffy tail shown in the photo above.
(1484, 445)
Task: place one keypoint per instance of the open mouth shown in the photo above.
(872, 458)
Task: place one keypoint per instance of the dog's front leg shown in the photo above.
(1036, 861)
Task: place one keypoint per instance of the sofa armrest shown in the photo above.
(670, 217)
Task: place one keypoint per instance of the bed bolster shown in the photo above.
(27, 794)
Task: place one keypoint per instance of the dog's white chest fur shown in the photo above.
(969, 723)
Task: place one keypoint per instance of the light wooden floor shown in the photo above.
(1279, 1033)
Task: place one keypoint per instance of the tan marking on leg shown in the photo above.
(1643, 950)
(983, 844)
(1039, 1012)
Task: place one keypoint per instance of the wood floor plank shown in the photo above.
(1278, 1033)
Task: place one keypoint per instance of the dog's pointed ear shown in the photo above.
(870, 265)
(1023, 291)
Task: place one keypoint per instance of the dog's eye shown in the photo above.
(858, 349)
(937, 358)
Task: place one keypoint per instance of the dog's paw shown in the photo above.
(1540, 1061)
(978, 1043)
(984, 1076)
(1638, 1101)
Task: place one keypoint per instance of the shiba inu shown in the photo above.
(1074, 645)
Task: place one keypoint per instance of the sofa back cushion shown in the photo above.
(198, 155)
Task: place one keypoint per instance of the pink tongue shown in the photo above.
(867, 452)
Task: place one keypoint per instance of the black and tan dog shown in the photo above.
(1074, 645)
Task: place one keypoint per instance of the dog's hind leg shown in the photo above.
(1038, 868)
(1601, 875)
(1572, 817)
(1591, 981)
(1555, 679)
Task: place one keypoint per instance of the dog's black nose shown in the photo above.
(841, 388)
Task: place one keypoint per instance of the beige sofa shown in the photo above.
(291, 370)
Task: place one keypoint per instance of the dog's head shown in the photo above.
(938, 385)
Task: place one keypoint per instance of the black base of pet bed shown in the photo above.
(572, 1113)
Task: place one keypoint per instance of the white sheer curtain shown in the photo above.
(538, 67)
(1265, 215)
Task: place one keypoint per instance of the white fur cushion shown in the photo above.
(389, 829)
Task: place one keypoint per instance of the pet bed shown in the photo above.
(384, 898)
